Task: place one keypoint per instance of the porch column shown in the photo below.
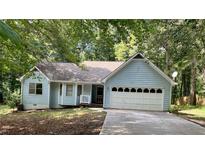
(22, 86)
(76, 93)
(49, 94)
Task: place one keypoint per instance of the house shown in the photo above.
(134, 84)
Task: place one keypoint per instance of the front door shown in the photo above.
(99, 95)
(79, 92)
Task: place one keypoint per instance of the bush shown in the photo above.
(177, 108)
(174, 109)
(13, 99)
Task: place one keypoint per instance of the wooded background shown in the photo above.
(173, 45)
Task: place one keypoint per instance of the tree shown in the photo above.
(6, 32)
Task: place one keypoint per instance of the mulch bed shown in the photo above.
(16, 124)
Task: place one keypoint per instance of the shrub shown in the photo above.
(177, 108)
(13, 99)
(174, 109)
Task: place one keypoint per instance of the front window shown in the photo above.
(35, 88)
(32, 88)
(39, 89)
(69, 90)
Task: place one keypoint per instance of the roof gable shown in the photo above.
(139, 56)
(35, 68)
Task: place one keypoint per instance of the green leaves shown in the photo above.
(6, 32)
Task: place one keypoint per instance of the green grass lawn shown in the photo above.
(198, 112)
(193, 113)
(4, 109)
(58, 121)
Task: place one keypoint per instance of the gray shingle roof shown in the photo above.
(91, 71)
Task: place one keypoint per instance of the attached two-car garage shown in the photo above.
(137, 98)
(138, 84)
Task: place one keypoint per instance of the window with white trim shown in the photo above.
(32, 88)
(69, 90)
(35, 88)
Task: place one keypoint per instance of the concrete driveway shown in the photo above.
(147, 123)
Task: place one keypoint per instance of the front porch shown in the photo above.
(75, 94)
(90, 94)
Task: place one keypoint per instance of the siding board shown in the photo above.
(54, 95)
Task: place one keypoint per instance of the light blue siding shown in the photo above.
(69, 100)
(54, 95)
(138, 73)
(32, 101)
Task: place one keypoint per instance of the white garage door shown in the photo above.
(137, 98)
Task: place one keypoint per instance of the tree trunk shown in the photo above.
(182, 84)
(193, 82)
(1, 87)
(186, 81)
(167, 59)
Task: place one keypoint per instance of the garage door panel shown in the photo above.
(136, 106)
(137, 100)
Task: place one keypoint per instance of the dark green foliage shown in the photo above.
(12, 99)
(6, 32)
